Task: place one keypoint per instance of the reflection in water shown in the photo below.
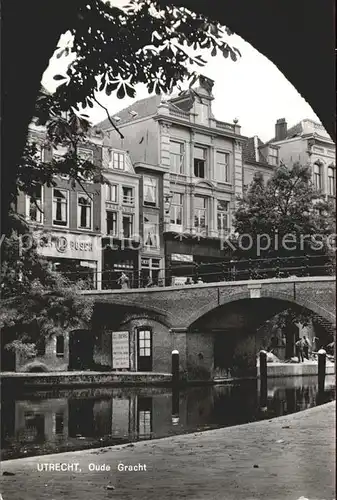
(56, 421)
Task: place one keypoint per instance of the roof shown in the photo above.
(303, 127)
(144, 107)
(248, 151)
(149, 105)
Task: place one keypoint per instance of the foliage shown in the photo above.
(286, 207)
(112, 50)
(37, 302)
(287, 204)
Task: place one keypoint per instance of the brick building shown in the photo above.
(258, 157)
(191, 171)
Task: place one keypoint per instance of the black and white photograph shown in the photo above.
(168, 250)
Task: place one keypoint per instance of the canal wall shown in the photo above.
(295, 369)
(82, 379)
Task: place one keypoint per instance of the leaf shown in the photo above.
(121, 92)
(111, 87)
(233, 56)
(214, 52)
(59, 77)
(60, 54)
(90, 104)
(131, 92)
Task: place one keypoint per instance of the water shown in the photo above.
(64, 420)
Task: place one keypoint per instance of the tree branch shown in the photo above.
(107, 112)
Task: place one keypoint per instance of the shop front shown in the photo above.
(189, 260)
(76, 256)
(120, 260)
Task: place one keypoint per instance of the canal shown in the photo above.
(43, 422)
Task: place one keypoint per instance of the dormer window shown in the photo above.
(273, 157)
(201, 110)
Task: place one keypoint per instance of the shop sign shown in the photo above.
(65, 245)
(120, 350)
(181, 257)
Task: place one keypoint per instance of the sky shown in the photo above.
(252, 89)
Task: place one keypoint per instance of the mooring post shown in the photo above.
(175, 367)
(263, 365)
(321, 369)
(263, 380)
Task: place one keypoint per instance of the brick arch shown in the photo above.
(307, 304)
(144, 316)
(135, 305)
(35, 365)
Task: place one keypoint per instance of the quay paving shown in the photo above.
(286, 458)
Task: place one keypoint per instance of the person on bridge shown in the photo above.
(123, 281)
(299, 350)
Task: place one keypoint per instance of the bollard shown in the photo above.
(175, 367)
(263, 365)
(263, 380)
(175, 405)
(321, 369)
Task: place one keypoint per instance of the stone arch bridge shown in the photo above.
(201, 319)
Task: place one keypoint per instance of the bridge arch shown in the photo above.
(280, 296)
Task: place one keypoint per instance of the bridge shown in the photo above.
(181, 306)
(207, 321)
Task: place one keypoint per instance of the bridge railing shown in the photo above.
(207, 272)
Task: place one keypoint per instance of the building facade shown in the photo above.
(258, 158)
(308, 142)
(66, 218)
(191, 169)
(119, 219)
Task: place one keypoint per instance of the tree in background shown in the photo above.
(287, 221)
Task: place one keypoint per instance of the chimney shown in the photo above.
(256, 148)
(280, 129)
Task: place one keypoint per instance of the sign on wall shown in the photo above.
(120, 350)
(66, 245)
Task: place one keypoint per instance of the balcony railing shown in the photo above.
(180, 114)
(128, 200)
(225, 126)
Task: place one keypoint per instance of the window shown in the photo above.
(150, 191)
(151, 236)
(118, 161)
(318, 176)
(60, 345)
(144, 338)
(202, 111)
(127, 195)
(199, 162)
(34, 206)
(200, 212)
(60, 207)
(127, 225)
(222, 167)
(223, 216)
(176, 212)
(150, 269)
(59, 154)
(111, 223)
(85, 155)
(331, 181)
(177, 157)
(144, 417)
(273, 157)
(84, 212)
(112, 193)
